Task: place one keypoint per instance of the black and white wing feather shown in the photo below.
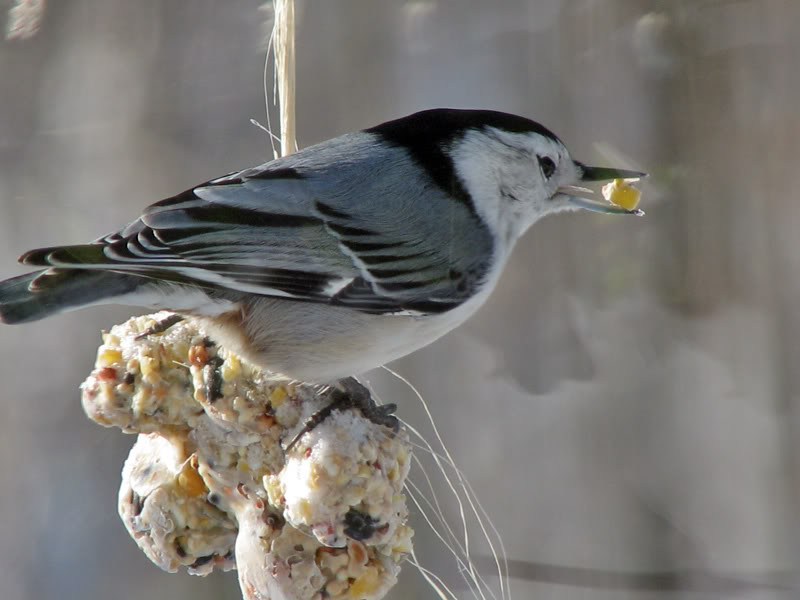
(319, 226)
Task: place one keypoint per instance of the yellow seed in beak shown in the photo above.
(622, 194)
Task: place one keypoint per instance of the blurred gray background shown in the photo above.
(627, 402)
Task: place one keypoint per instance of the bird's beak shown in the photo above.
(592, 174)
(606, 173)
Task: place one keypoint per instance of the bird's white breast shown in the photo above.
(321, 343)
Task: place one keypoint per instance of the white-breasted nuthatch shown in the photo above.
(339, 258)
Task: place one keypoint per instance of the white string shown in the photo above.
(268, 128)
(432, 578)
(468, 493)
(441, 462)
(463, 568)
(471, 491)
(478, 511)
(435, 505)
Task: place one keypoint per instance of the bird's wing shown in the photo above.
(301, 234)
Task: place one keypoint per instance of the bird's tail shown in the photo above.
(40, 294)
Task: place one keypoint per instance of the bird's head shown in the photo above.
(512, 170)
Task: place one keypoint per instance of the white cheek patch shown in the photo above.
(479, 170)
(501, 173)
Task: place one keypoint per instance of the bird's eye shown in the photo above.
(547, 165)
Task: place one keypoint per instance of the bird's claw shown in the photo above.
(349, 393)
(161, 326)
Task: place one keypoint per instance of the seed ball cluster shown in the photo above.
(208, 484)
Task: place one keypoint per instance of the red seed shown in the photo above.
(198, 355)
(107, 374)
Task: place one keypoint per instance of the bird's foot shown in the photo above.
(349, 393)
(161, 325)
(358, 396)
